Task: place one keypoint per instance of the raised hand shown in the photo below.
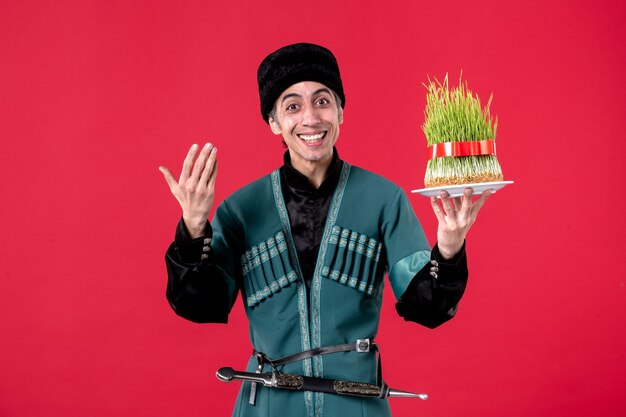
(195, 189)
(455, 219)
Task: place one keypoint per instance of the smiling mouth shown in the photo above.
(313, 138)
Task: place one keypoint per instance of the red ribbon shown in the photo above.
(481, 147)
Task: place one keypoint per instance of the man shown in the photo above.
(308, 247)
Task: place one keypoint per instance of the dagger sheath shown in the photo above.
(330, 386)
(307, 383)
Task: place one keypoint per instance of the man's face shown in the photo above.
(307, 116)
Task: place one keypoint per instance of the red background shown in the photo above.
(94, 95)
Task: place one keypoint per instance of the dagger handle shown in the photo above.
(229, 374)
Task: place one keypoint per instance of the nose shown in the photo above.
(310, 116)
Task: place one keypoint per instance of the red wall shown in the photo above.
(94, 95)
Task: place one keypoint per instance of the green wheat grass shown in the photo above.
(456, 115)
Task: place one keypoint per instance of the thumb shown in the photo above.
(171, 181)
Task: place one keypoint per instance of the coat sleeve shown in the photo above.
(421, 297)
(432, 298)
(202, 281)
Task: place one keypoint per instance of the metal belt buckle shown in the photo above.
(362, 345)
(260, 359)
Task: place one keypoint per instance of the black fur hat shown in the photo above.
(292, 64)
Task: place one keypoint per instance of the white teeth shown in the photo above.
(312, 138)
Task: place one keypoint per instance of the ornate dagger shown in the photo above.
(307, 383)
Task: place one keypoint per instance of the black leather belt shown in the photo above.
(360, 346)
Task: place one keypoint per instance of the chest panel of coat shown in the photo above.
(269, 278)
(352, 275)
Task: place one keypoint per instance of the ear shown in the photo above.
(274, 126)
(340, 115)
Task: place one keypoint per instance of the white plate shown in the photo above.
(457, 190)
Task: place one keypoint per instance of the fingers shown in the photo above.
(457, 202)
(449, 212)
(188, 163)
(199, 165)
(213, 175)
(456, 210)
(445, 201)
(467, 199)
(194, 190)
(209, 167)
(479, 203)
(438, 212)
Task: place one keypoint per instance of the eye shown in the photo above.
(292, 107)
(323, 101)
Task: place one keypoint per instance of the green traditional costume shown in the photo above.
(347, 287)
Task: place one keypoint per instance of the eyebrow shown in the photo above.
(316, 92)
